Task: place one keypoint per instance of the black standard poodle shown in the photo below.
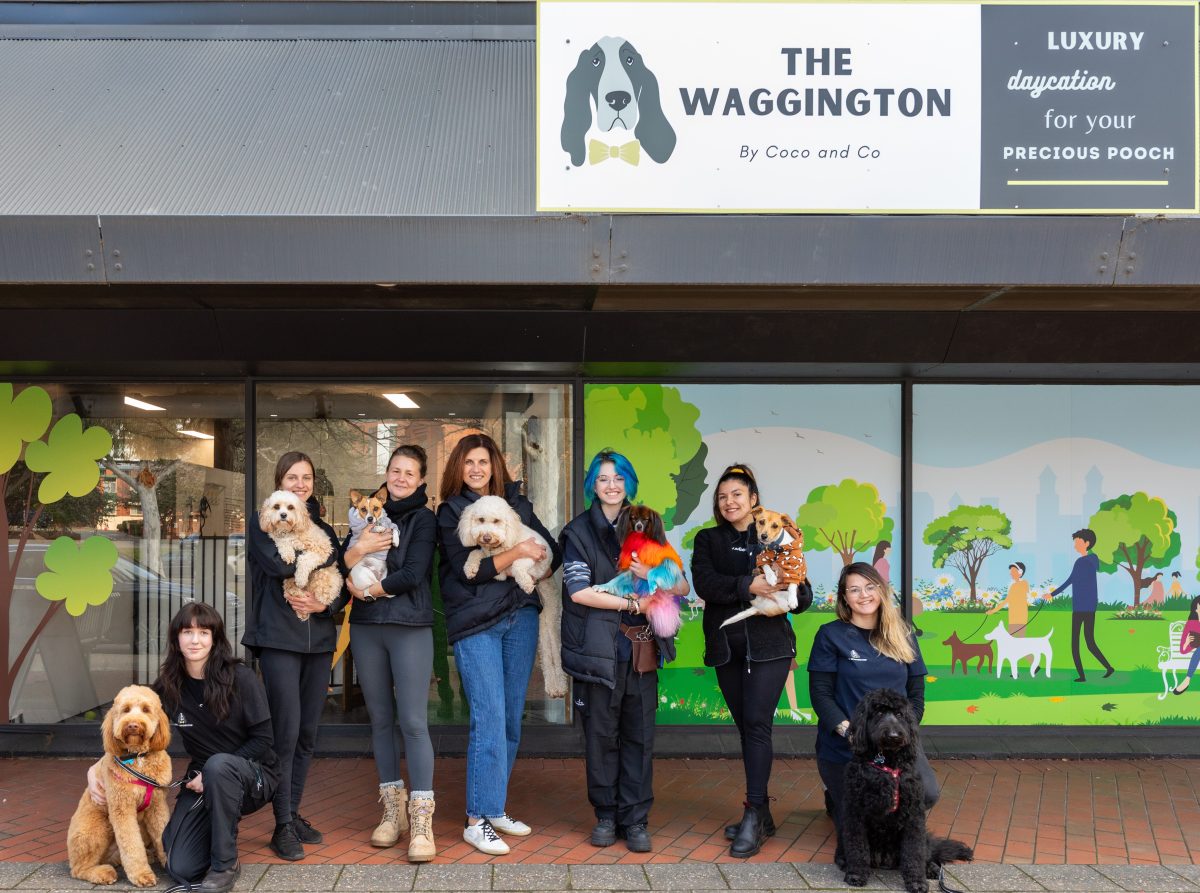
(883, 816)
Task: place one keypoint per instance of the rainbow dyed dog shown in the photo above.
(642, 534)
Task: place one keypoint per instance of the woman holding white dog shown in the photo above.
(293, 654)
(753, 658)
(219, 709)
(493, 626)
(391, 635)
(869, 646)
(615, 697)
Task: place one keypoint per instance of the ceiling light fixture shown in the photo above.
(197, 434)
(402, 401)
(142, 404)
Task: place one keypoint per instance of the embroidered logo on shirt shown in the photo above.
(181, 721)
(854, 655)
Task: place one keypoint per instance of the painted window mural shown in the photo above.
(1056, 553)
(826, 455)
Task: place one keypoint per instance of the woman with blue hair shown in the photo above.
(615, 695)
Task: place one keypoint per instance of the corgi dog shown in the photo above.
(367, 513)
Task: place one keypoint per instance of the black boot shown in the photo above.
(750, 833)
(768, 827)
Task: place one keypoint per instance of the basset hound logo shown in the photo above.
(612, 110)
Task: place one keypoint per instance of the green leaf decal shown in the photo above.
(80, 574)
(70, 456)
(22, 420)
(689, 484)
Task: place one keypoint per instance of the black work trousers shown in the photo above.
(296, 684)
(1085, 621)
(202, 832)
(752, 690)
(618, 734)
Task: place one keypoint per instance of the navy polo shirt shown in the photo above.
(846, 650)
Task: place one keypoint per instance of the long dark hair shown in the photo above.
(218, 671)
(741, 473)
(452, 475)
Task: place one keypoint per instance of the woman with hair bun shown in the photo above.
(752, 658)
(869, 646)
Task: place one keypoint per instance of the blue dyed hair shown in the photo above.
(620, 463)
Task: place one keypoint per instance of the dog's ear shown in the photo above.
(756, 512)
(658, 532)
(653, 129)
(577, 107)
(355, 497)
(786, 521)
(162, 729)
(860, 741)
(381, 493)
(111, 745)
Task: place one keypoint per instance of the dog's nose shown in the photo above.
(282, 516)
(617, 99)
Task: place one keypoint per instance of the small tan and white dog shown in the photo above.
(491, 524)
(781, 560)
(284, 518)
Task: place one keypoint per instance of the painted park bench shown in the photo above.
(1169, 658)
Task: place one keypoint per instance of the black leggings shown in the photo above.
(296, 684)
(752, 690)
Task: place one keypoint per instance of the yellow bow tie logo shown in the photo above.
(629, 152)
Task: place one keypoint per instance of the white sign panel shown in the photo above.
(858, 107)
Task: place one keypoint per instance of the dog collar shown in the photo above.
(880, 763)
(138, 779)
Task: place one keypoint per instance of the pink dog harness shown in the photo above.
(895, 773)
(145, 781)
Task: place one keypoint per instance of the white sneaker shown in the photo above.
(485, 839)
(506, 824)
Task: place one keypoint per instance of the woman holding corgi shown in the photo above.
(294, 655)
(391, 634)
(752, 657)
(615, 698)
(493, 625)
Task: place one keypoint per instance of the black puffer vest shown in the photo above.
(589, 635)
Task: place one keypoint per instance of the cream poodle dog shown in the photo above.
(136, 732)
(491, 524)
(284, 517)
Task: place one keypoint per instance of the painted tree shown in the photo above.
(1134, 532)
(145, 483)
(655, 428)
(77, 574)
(848, 518)
(965, 537)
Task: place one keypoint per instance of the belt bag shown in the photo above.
(645, 648)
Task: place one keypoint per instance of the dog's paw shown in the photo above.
(933, 871)
(395, 537)
(856, 878)
(99, 874)
(918, 885)
(143, 878)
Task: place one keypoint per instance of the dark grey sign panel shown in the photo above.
(1088, 108)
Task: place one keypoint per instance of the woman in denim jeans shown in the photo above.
(493, 626)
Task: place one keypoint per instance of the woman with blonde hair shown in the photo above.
(869, 646)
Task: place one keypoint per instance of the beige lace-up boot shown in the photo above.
(395, 817)
(421, 847)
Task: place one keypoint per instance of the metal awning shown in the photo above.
(208, 150)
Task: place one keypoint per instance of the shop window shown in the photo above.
(1003, 478)
(169, 495)
(350, 430)
(828, 451)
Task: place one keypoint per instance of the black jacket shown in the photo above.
(722, 568)
(271, 622)
(475, 605)
(408, 566)
(589, 635)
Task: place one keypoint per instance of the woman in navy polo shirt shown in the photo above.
(869, 646)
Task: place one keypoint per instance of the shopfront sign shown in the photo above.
(794, 107)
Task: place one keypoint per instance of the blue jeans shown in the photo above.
(1195, 660)
(495, 666)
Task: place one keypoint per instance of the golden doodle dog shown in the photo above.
(284, 518)
(493, 526)
(781, 561)
(136, 731)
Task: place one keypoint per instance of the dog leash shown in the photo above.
(146, 779)
(1022, 626)
(942, 885)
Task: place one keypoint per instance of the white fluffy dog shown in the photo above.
(284, 517)
(1012, 649)
(492, 525)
